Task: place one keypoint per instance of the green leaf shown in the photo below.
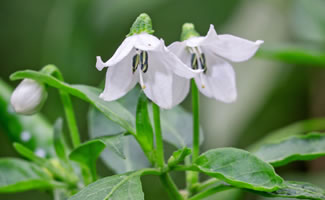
(144, 128)
(239, 168)
(59, 144)
(178, 156)
(32, 131)
(99, 126)
(305, 147)
(177, 129)
(17, 175)
(297, 128)
(112, 110)
(294, 54)
(87, 154)
(297, 190)
(115, 143)
(27, 153)
(118, 187)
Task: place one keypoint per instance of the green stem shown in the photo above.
(170, 186)
(196, 123)
(166, 180)
(67, 105)
(159, 140)
(193, 177)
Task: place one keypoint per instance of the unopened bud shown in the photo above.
(29, 97)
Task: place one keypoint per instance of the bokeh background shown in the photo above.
(272, 94)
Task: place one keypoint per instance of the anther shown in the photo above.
(135, 62)
(203, 63)
(144, 61)
(194, 62)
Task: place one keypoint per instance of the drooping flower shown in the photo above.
(211, 54)
(28, 98)
(144, 58)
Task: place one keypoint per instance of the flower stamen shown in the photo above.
(141, 81)
(144, 61)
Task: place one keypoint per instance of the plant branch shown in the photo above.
(193, 177)
(170, 186)
(67, 105)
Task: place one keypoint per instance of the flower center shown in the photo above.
(140, 58)
(198, 59)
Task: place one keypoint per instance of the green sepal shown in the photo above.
(141, 24)
(188, 31)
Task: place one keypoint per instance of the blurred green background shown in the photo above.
(272, 94)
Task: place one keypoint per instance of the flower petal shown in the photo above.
(119, 79)
(123, 50)
(219, 81)
(178, 59)
(233, 48)
(162, 86)
(146, 42)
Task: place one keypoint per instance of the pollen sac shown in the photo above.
(135, 62)
(144, 61)
(194, 61)
(203, 63)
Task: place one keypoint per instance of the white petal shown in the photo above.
(194, 41)
(219, 81)
(234, 48)
(179, 49)
(146, 42)
(123, 50)
(178, 59)
(119, 79)
(162, 86)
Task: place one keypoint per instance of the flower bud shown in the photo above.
(29, 97)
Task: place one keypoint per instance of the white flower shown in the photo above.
(210, 53)
(29, 97)
(144, 58)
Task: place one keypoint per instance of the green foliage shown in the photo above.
(118, 187)
(305, 147)
(144, 128)
(27, 153)
(294, 55)
(179, 156)
(298, 190)
(59, 144)
(112, 110)
(297, 128)
(18, 175)
(239, 168)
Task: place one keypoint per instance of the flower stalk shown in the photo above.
(67, 106)
(196, 129)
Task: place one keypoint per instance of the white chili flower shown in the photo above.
(144, 58)
(210, 53)
(29, 97)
